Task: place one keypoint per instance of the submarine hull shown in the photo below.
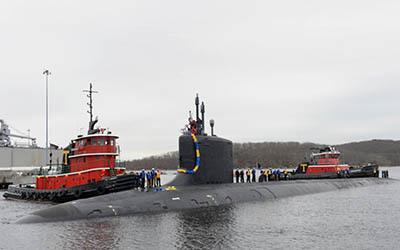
(189, 197)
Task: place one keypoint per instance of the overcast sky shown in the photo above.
(308, 71)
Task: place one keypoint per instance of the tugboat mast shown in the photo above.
(90, 103)
(90, 111)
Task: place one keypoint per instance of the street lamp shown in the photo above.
(47, 73)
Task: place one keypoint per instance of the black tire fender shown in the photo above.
(101, 190)
(51, 196)
(77, 193)
(35, 196)
(61, 193)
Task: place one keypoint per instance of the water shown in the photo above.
(360, 218)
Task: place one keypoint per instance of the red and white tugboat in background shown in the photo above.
(326, 164)
(323, 164)
(88, 169)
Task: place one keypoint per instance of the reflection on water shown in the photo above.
(97, 234)
(208, 228)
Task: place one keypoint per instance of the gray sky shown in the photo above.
(324, 71)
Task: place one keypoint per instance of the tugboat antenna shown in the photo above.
(90, 104)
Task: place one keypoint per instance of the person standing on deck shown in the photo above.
(266, 174)
(278, 174)
(261, 177)
(149, 179)
(153, 175)
(248, 174)
(242, 176)
(158, 178)
(285, 173)
(253, 173)
(237, 174)
(142, 178)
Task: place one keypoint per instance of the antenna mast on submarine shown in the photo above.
(196, 102)
(197, 125)
(202, 110)
(200, 122)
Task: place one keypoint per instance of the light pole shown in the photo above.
(47, 73)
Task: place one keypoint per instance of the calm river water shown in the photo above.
(359, 218)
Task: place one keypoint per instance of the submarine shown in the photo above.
(204, 179)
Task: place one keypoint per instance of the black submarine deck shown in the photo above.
(133, 202)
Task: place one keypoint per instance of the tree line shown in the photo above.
(287, 154)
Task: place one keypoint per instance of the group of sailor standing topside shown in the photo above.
(265, 175)
(152, 178)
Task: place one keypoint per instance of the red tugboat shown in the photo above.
(88, 169)
(323, 164)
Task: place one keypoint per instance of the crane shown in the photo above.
(5, 135)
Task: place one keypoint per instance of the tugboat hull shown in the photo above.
(109, 185)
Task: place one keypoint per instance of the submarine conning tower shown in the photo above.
(203, 158)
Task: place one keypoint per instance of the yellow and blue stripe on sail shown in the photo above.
(197, 165)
